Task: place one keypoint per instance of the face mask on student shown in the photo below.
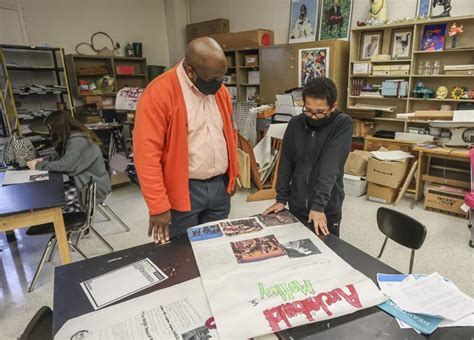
(207, 87)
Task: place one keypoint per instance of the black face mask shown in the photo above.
(316, 123)
(208, 87)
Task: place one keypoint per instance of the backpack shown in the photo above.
(18, 150)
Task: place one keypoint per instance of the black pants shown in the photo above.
(209, 202)
(333, 223)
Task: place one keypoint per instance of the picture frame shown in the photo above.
(370, 44)
(335, 19)
(423, 9)
(303, 21)
(433, 37)
(401, 44)
(312, 63)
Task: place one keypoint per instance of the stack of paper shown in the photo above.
(425, 302)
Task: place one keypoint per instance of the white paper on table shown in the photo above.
(113, 286)
(274, 278)
(24, 176)
(391, 155)
(177, 312)
(431, 295)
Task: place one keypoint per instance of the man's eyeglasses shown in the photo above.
(316, 113)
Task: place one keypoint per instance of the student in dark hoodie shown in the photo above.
(78, 156)
(315, 148)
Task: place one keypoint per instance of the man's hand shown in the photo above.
(320, 222)
(159, 227)
(276, 208)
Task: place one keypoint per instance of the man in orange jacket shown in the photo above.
(185, 149)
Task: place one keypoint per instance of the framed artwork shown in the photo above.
(335, 19)
(312, 63)
(370, 44)
(423, 10)
(401, 44)
(433, 37)
(303, 20)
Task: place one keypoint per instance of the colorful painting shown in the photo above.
(312, 63)
(424, 8)
(335, 19)
(303, 20)
(433, 37)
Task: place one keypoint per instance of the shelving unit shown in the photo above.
(237, 67)
(34, 83)
(463, 54)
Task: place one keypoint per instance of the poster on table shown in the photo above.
(265, 274)
(312, 63)
(177, 312)
(335, 19)
(303, 21)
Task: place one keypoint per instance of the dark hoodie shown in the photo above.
(311, 170)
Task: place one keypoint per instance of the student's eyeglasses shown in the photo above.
(316, 113)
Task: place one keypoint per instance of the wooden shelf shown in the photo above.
(443, 76)
(113, 94)
(372, 76)
(382, 119)
(406, 61)
(444, 100)
(447, 51)
(377, 98)
(34, 68)
(249, 85)
(131, 75)
(248, 67)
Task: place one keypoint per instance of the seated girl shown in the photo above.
(78, 156)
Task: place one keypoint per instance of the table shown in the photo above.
(176, 259)
(29, 204)
(424, 156)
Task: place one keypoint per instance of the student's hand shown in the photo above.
(320, 222)
(32, 164)
(276, 208)
(159, 227)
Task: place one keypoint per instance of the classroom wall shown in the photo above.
(66, 23)
(275, 14)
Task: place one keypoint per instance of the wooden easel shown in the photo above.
(265, 191)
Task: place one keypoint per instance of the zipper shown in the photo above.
(308, 174)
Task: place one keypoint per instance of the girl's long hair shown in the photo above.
(61, 124)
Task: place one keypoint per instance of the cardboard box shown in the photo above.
(446, 199)
(255, 38)
(251, 94)
(361, 68)
(254, 77)
(355, 186)
(362, 129)
(206, 28)
(124, 69)
(434, 115)
(381, 70)
(381, 194)
(251, 60)
(386, 173)
(357, 163)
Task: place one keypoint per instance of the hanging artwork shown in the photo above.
(303, 20)
(423, 9)
(312, 63)
(441, 8)
(335, 19)
(370, 45)
(401, 44)
(433, 37)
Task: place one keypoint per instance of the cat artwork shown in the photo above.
(401, 44)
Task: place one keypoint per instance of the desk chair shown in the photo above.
(40, 326)
(402, 229)
(77, 222)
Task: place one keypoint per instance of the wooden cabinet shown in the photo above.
(279, 68)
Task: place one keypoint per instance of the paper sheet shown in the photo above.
(270, 276)
(391, 155)
(120, 283)
(24, 176)
(177, 312)
(463, 116)
(431, 295)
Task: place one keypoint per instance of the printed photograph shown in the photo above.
(241, 226)
(335, 19)
(301, 248)
(257, 249)
(204, 232)
(281, 218)
(433, 37)
(423, 9)
(312, 63)
(38, 178)
(401, 44)
(304, 14)
(371, 45)
(200, 333)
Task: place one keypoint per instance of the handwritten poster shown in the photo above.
(262, 276)
(127, 98)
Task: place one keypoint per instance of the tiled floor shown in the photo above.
(445, 250)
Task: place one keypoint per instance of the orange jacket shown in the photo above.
(160, 144)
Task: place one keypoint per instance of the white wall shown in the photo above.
(275, 14)
(65, 23)
(176, 21)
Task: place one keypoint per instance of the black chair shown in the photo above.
(402, 229)
(75, 223)
(40, 326)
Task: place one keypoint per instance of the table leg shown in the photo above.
(60, 230)
(419, 174)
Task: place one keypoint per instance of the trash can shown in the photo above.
(154, 71)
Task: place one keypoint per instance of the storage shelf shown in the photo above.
(33, 68)
(250, 85)
(131, 75)
(113, 94)
(39, 94)
(93, 75)
(377, 98)
(372, 76)
(382, 119)
(447, 51)
(407, 61)
(248, 67)
(30, 48)
(444, 76)
(444, 100)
